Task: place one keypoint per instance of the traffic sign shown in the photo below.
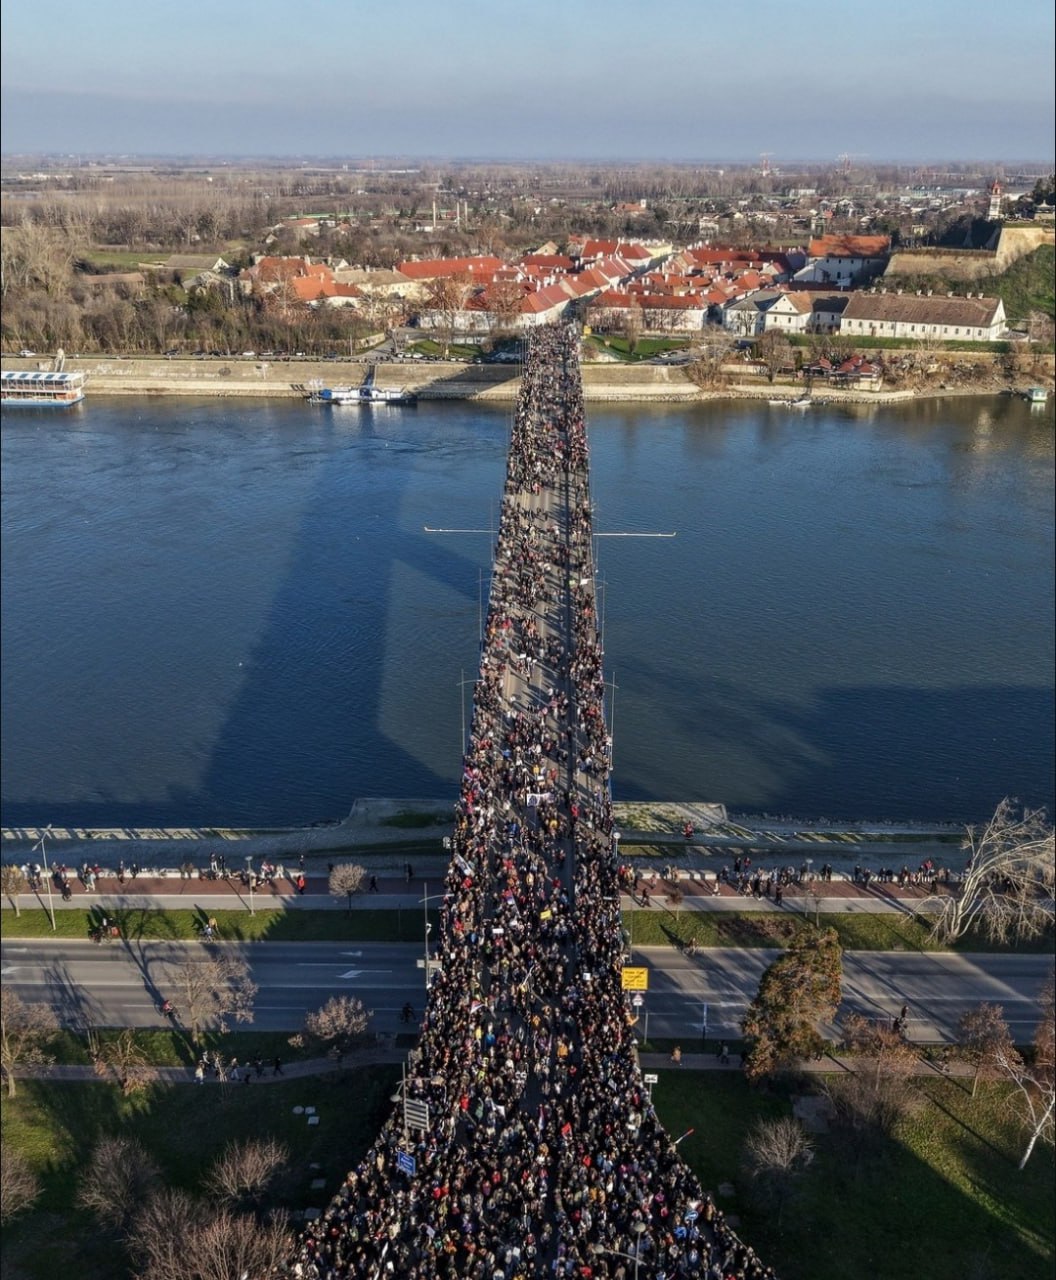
(651, 1077)
(415, 1113)
(638, 1000)
(407, 1162)
(635, 979)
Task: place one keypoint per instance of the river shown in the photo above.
(230, 612)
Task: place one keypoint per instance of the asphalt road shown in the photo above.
(120, 984)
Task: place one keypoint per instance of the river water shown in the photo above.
(231, 612)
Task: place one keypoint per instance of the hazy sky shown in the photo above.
(605, 79)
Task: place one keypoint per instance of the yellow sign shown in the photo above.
(635, 980)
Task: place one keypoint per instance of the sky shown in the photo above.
(686, 80)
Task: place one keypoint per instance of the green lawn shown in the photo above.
(943, 1200)
(644, 348)
(660, 925)
(184, 1128)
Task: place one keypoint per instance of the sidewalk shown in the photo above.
(151, 890)
(648, 1062)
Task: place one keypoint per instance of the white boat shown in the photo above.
(1036, 395)
(368, 393)
(803, 402)
(31, 390)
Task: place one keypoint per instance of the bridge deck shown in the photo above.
(532, 1147)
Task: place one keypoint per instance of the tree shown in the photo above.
(122, 1060)
(775, 351)
(712, 352)
(244, 1171)
(337, 1025)
(981, 1034)
(213, 991)
(119, 1177)
(774, 1152)
(173, 1236)
(345, 880)
(1034, 1079)
(12, 883)
(880, 1042)
(1006, 889)
(19, 1185)
(24, 1031)
(444, 298)
(800, 988)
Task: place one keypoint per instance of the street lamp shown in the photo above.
(637, 1228)
(249, 878)
(47, 873)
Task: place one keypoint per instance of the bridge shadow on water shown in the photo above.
(357, 680)
(845, 755)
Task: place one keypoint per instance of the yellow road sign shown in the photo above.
(635, 980)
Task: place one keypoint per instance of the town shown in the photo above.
(833, 273)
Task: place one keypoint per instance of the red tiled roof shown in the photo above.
(435, 268)
(849, 246)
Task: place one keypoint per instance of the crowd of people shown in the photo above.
(540, 1154)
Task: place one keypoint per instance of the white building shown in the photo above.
(924, 318)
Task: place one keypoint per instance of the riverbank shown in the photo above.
(238, 378)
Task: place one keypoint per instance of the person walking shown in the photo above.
(277, 1066)
(676, 1055)
(301, 882)
(373, 886)
(724, 1054)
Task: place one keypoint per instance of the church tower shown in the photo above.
(993, 212)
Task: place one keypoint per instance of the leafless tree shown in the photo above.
(122, 1060)
(19, 1185)
(445, 298)
(882, 1044)
(982, 1033)
(161, 1233)
(345, 880)
(244, 1171)
(213, 991)
(119, 1177)
(774, 1152)
(712, 352)
(24, 1031)
(12, 883)
(1034, 1077)
(338, 1024)
(1006, 888)
(238, 1245)
(173, 1236)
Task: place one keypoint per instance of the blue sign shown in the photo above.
(407, 1163)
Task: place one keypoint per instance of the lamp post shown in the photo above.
(428, 925)
(249, 878)
(47, 873)
(637, 1228)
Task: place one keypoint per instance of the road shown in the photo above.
(120, 985)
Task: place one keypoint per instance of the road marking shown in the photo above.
(8, 968)
(357, 973)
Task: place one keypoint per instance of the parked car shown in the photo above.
(26, 354)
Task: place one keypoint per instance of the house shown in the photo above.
(845, 260)
(746, 317)
(924, 318)
(191, 263)
(803, 311)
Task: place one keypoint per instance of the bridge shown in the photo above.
(524, 1142)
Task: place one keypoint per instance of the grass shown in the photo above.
(658, 926)
(880, 931)
(644, 348)
(184, 1128)
(266, 925)
(942, 1199)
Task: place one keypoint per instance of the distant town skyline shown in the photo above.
(906, 82)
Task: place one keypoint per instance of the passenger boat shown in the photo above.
(32, 390)
(802, 402)
(1036, 395)
(359, 395)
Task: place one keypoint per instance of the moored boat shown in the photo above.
(33, 390)
(359, 395)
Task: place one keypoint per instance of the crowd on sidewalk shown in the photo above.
(541, 1155)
